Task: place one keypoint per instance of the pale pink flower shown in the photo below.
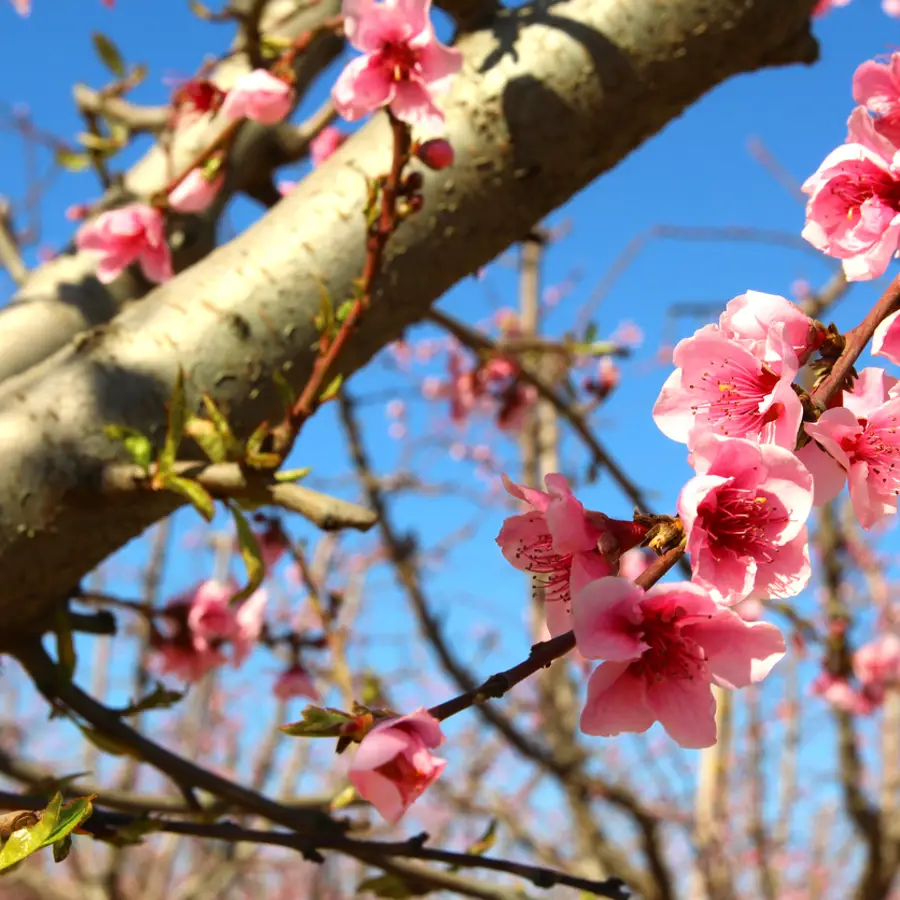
(394, 765)
(853, 211)
(133, 233)
(877, 663)
(260, 96)
(195, 192)
(404, 64)
(286, 187)
(22, 7)
(745, 517)
(876, 86)
(186, 661)
(862, 440)
(249, 620)
(295, 682)
(722, 386)
(325, 143)
(664, 648)
(562, 543)
(891, 7)
(840, 694)
(211, 617)
(886, 339)
(764, 323)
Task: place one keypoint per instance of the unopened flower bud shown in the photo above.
(413, 182)
(436, 154)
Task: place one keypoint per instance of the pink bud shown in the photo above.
(436, 154)
(260, 96)
(194, 192)
(325, 143)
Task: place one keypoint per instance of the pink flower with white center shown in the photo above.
(325, 143)
(195, 192)
(862, 440)
(853, 211)
(563, 544)
(877, 664)
(133, 233)
(664, 648)
(886, 339)
(765, 322)
(404, 65)
(745, 517)
(722, 386)
(876, 86)
(394, 765)
(295, 682)
(260, 96)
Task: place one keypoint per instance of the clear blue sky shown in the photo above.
(698, 172)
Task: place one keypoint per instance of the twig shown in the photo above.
(10, 255)
(229, 480)
(138, 119)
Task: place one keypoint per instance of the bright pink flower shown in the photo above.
(404, 64)
(877, 664)
(853, 212)
(325, 143)
(886, 340)
(745, 516)
(295, 682)
(260, 96)
(876, 86)
(722, 386)
(861, 438)
(663, 649)
(562, 543)
(764, 323)
(195, 192)
(393, 765)
(133, 233)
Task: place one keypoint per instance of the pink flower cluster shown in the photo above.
(876, 667)
(853, 211)
(200, 623)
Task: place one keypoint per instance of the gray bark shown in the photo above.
(550, 97)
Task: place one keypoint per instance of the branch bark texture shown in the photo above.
(550, 97)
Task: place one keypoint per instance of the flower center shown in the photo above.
(670, 655)
(737, 520)
(400, 59)
(880, 448)
(732, 399)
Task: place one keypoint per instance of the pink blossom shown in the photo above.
(436, 154)
(876, 86)
(22, 7)
(285, 187)
(633, 563)
(853, 211)
(745, 516)
(840, 694)
(249, 620)
(720, 385)
(404, 64)
(260, 96)
(295, 682)
(325, 143)
(133, 233)
(664, 648)
(186, 661)
(393, 765)
(196, 97)
(764, 323)
(824, 6)
(862, 442)
(562, 543)
(891, 7)
(195, 192)
(211, 617)
(877, 663)
(750, 610)
(886, 339)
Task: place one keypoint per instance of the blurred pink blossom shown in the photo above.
(325, 143)
(260, 96)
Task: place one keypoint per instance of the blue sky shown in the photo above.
(698, 172)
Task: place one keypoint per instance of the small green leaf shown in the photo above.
(62, 848)
(65, 644)
(159, 698)
(590, 333)
(109, 54)
(332, 390)
(343, 799)
(72, 160)
(255, 456)
(98, 143)
(486, 841)
(250, 554)
(130, 834)
(344, 310)
(290, 475)
(193, 492)
(324, 321)
(103, 742)
(393, 887)
(286, 393)
(208, 439)
(138, 446)
(177, 416)
(318, 722)
(70, 817)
